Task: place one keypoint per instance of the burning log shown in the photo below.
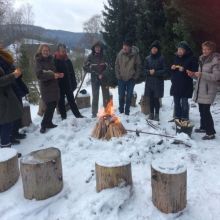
(108, 125)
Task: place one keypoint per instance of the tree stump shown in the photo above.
(41, 173)
(145, 104)
(26, 117)
(109, 176)
(9, 171)
(83, 101)
(169, 186)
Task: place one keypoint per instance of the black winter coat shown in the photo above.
(18, 85)
(49, 87)
(155, 83)
(68, 82)
(182, 84)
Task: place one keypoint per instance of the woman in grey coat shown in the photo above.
(208, 78)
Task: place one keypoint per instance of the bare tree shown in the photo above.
(92, 29)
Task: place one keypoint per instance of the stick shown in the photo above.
(80, 85)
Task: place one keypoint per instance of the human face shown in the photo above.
(97, 49)
(126, 49)
(45, 52)
(206, 51)
(154, 50)
(62, 51)
(181, 52)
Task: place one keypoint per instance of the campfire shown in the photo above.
(109, 124)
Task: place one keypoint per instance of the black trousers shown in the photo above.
(70, 98)
(154, 103)
(206, 121)
(48, 115)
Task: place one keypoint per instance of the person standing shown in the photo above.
(96, 64)
(68, 83)
(155, 70)
(182, 84)
(208, 78)
(49, 88)
(127, 70)
(10, 107)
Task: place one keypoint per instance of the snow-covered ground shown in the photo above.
(79, 200)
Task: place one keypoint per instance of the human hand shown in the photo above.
(152, 72)
(100, 76)
(173, 67)
(198, 74)
(190, 73)
(61, 75)
(181, 68)
(17, 72)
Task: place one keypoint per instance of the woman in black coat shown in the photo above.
(10, 107)
(182, 84)
(68, 83)
(155, 70)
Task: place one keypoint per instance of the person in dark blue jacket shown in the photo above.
(155, 70)
(182, 84)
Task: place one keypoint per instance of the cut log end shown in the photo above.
(115, 176)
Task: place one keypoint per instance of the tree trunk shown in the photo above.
(9, 171)
(26, 117)
(41, 173)
(169, 187)
(109, 177)
(83, 101)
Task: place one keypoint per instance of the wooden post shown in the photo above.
(9, 171)
(109, 177)
(145, 104)
(83, 101)
(26, 117)
(169, 186)
(41, 173)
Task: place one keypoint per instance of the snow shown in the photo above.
(79, 200)
(6, 154)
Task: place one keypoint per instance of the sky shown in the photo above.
(66, 15)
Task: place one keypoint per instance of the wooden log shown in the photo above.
(145, 104)
(9, 171)
(26, 116)
(112, 176)
(169, 186)
(41, 173)
(83, 101)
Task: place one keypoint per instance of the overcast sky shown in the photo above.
(66, 15)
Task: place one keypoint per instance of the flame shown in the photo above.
(108, 110)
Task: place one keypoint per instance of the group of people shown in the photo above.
(57, 81)
(184, 69)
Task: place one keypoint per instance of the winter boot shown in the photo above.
(156, 117)
(151, 116)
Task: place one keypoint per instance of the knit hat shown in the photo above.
(156, 44)
(128, 42)
(184, 45)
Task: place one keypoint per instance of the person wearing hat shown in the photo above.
(68, 83)
(96, 64)
(155, 70)
(127, 70)
(182, 84)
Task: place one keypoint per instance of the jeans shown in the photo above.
(125, 88)
(5, 133)
(48, 115)
(181, 107)
(95, 95)
(206, 121)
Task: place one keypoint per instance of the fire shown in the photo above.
(109, 125)
(107, 111)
